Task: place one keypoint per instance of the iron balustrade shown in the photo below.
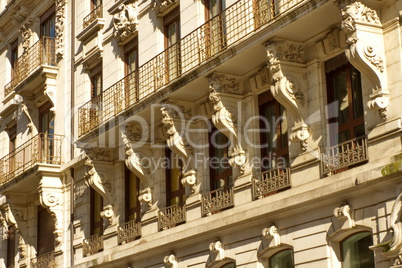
(95, 14)
(344, 155)
(270, 181)
(218, 34)
(92, 244)
(129, 231)
(46, 260)
(171, 216)
(217, 200)
(43, 148)
(43, 52)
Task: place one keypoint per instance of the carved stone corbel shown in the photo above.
(361, 26)
(223, 121)
(51, 197)
(23, 109)
(285, 88)
(12, 219)
(392, 249)
(133, 163)
(272, 236)
(160, 6)
(344, 214)
(26, 33)
(170, 261)
(126, 21)
(176, 145)
(217, 250)
(100, 185)
(60, 18)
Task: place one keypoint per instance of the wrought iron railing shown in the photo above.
(270, 181)
(344, 155)
(43, 52)
(218, 34)
(92, 245)
(46, 260)
(171, 216)
(95, 14)
(129, 231)
(217, 200)
(43, 148)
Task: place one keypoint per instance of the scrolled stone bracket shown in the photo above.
(344, 214)
(368, 59)
(176, 144)
(217, 249)
(145, 196)
(272, 236)
(285, 89)
(171, 261)
(12, 219)
(223, 121)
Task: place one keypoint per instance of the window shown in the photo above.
(216, 28)
(355, 251)
(46, 130)
(45, 238)
(175, 191)
(96, 222)
(345, 101)
(11, 247)
(220, 169)
(131, 65)
(14, 58)
(171, 24)
(95, 4)
(274, 133)
(132, 188)
(282, 259)
(96, 81)
(47, 23)
(229, 265)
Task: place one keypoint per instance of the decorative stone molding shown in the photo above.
(134, 131)
(222, 119)
(60, 19)
(217, 250)
(26, 33)
(392, 249)
(284, 88)
(260, 80)
(23, 109)
(133, 163)
(331, 43)
(344, 214)
(99, 154)
(160, 6)
(177, 145)
(101, 185)
(176, 110)
(170, 261)
(21, 13)
(126, 21)
(12, 218)
(225, 84)
(272, 236)
(361, 26)
(51, 197)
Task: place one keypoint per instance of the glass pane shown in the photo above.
(133, 191)
(356, 252)
(172, 34)
(343, 136)
(284, 127)
(357, 94)
(359, 131)
(282, 259)
(341, 96)
(132, 61)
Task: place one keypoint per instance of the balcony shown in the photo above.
(42, 149)
(128, 232)
(43, 52)
(46, 260)
(270, 181)
(92, 245)
(217, 200)
(95, 14)
(344, 155)
(171, 216)
(230, 27)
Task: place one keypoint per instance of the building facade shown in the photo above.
(201, 133)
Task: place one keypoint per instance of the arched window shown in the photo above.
(282, 259)
(355, 251)
(229, 265)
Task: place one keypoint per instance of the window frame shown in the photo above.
(341, 246)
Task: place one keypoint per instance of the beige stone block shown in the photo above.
(314, 264)
(310, 241)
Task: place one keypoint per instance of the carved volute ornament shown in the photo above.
(26, 33)
(133, 163)
(51, 197)
(392, 249)
(286, 89)
(344, 214)
(223, 121)
(59, 24)
(362, 25)
(177, 146)
(101, 185)
(126, 21)
(217, 249)
(13, 219)
(23, 109)
(170, 261)
(272, 236)
(160, 6)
